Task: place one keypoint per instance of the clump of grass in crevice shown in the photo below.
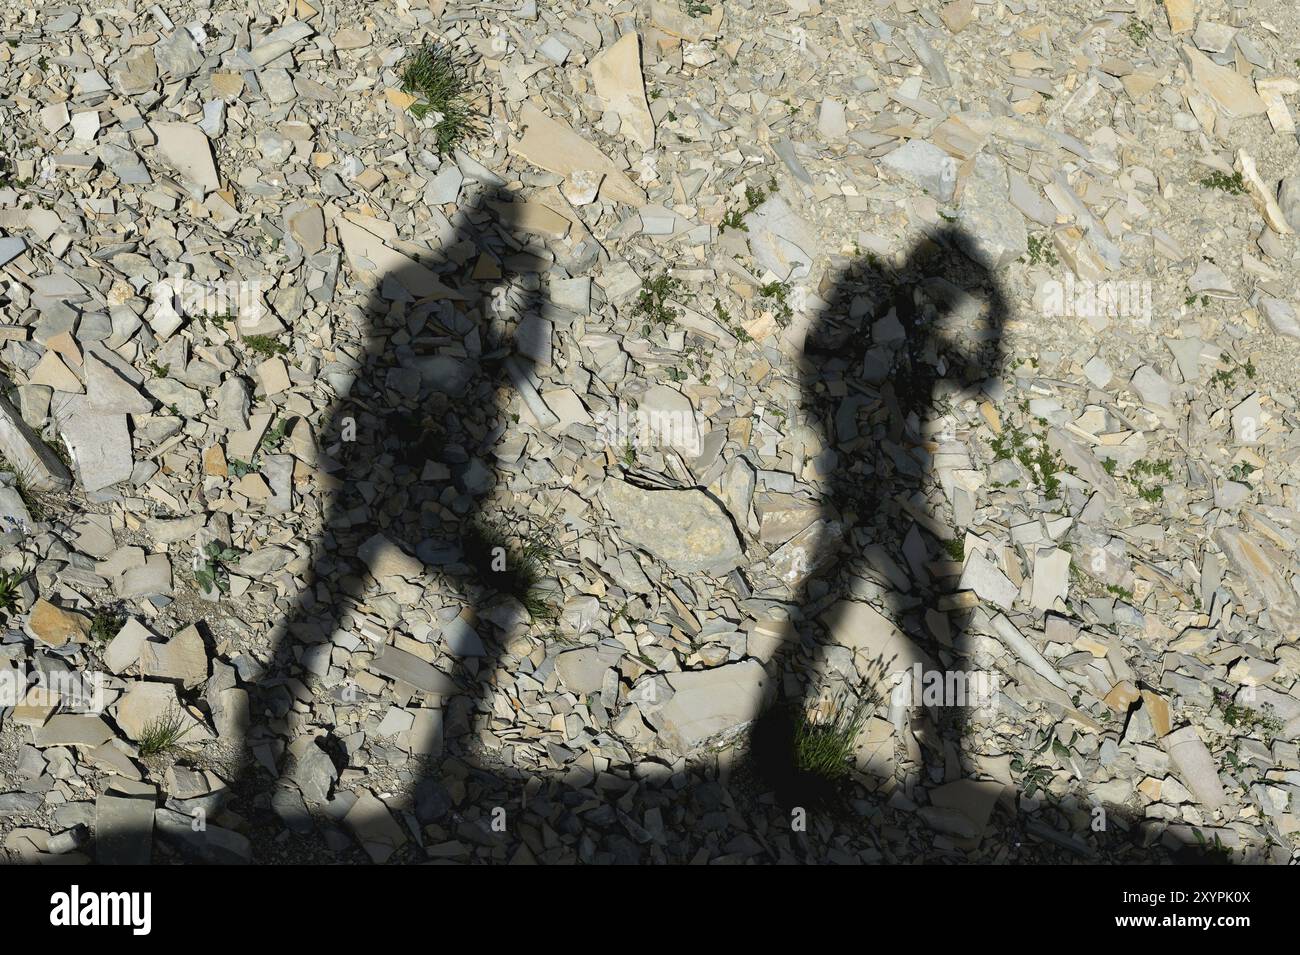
(1161, 470)
(778, 295)
(439, 80)
(9, 592)
(516, 562)
(1032, 452)
(163, 733)
(1138, 32)
(823, 745)
(32, 499)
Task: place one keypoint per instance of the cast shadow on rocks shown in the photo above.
(410, 457)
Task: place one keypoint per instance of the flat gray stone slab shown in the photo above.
(123, 830)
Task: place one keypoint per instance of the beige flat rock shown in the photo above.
(553, 146)
(532, 217)
(1231, 92)
(185, 148)
(54, 626)
(51, 371)
(621, 87)
(1261, 194)
(1181, 14)
(370, 256)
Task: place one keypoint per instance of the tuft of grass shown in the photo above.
(515, 562)
(823, 746)
(1032, 451)
(436, 75)
(9, 581)
(955, 548)
(162, 734)
(1162, 469)
(33, 499)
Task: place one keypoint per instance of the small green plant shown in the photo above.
(1161, 470)
(1248, 718)
(652, 304)
(1117, 591)
(9, 593)
(1036, 776)
(159, 371)
(1216, 850)
(1138, 32)
(105, 624)
(1042, 250)
(1234, 185)
(515, 562)
(210, 572)
(734, 219)
(1227, 377)
(823, 745)
(955, 548)
(1033, 453)
(239, 469)
(274, 435)
(755, 196)
(440, 81)
(163, 733)
(1240, 472)
(694, 8)
(724, 319)
(220, 320)
(778, 294)
(265, 345)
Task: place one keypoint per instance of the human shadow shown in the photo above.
(891, 346)
(408, 460)
(406, 465)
